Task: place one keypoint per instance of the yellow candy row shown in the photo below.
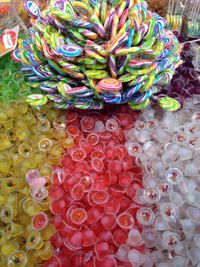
(30, 139)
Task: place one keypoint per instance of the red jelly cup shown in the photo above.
(93, 139)
(125, 221)
(58, 176)
(40, 221)
(87, 124)
(97, 164)
(78, 154)
(78, 216)
(58, 206)
(77, 192)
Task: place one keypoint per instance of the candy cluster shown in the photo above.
(92, 193)
(30, 142)
(166, 147)
(12, 83)
(83, 54)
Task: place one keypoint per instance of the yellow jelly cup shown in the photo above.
(6, 214)
(17, 259)
(46, 252)
(13, 229)
(3, 237)
(9, 247)
(31, 207)
(34, 241)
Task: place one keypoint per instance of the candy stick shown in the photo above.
(115, 23)
(116, 41)
(121, 9)
(92, 45)
(112, 66)
(98, 25)
(88, 34)
(37, 100)
(96, 56)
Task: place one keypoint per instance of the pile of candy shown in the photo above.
(83, 54)
(12, 83)
(92, 193)
(30, 142)
(166, 147)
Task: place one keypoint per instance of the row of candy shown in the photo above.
(122, 55)
(92, 195)
(29, 139)
(166, 147)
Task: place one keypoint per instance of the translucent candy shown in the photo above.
(136, 258)
(18, 258)
(111, 125)
(169, 211)
(40, 221)
(151, 195)
(78, 216)
(170, 240)
(134, 238)
(145, 216)
(180, 261)
(149, 238)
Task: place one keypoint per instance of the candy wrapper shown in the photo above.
(192, 23)
(196, 59)
(175, 12)
(10, 26)
(84, 54)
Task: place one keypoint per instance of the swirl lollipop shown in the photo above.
(95, 51)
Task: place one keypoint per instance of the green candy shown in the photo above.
(37, 100)
(169, 104)
(93, 74)
(140, 106)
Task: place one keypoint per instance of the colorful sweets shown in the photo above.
(93, 194)
(105, 48)
(30, 142)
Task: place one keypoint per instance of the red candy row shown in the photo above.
(92, 192)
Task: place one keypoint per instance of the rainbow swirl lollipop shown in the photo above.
(104, 51)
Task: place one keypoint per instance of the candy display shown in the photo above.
(99, 133)
(92, 194)
(166, 147)
(31, 141)
(85, 54)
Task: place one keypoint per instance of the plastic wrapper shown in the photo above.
(192, 22)
(11, 26)
(175, 12)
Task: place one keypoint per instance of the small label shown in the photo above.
(7, 40)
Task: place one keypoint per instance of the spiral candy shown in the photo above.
(104, 46)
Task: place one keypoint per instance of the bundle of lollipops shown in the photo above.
(86, 53)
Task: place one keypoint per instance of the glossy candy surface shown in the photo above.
(25, 171)
(93, 210)
(169, 156)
